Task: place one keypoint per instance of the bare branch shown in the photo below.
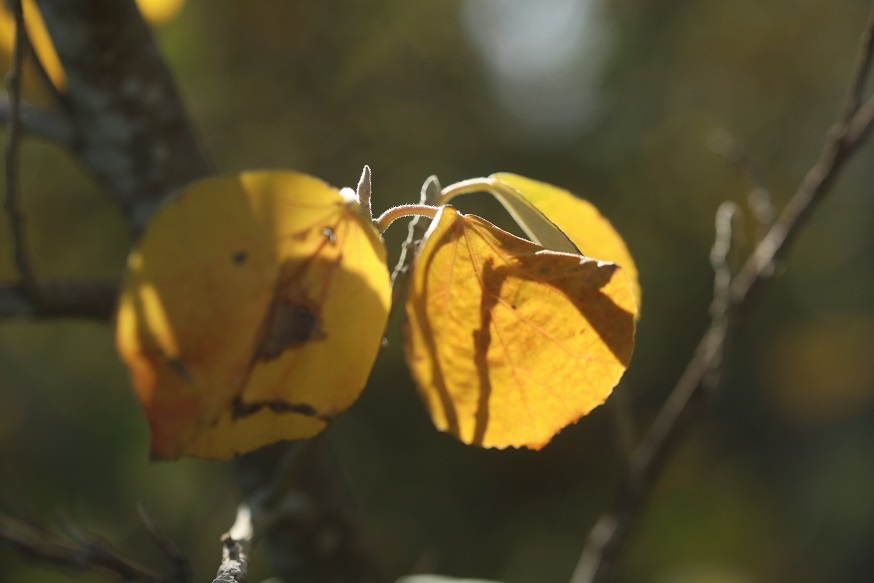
(298, 509)
(39, 122)
(13, 137)
(430, 194)
(134, 132)
(859, 77)
(759, 197)
(90, 300)
(83, 552)
(181, 565)
(236, 544)
(610, 534)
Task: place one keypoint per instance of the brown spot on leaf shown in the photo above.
(294, 316)
(239, 258)
(242, 409)
(289, 325)
(178, 367)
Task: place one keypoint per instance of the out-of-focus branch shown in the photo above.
(400, 276)
(612, 531)
(759, 197)
(181, 572)
(134, 133)
(36, 121)
(90, 300)
(299, 510)
(10, 159)
(80, 552)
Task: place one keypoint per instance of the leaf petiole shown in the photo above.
(404, 210)
(467, 187)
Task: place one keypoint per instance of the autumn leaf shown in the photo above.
(578, 219)
(155, 12)
(39, 39)
(159, 11)
(252, 312)
(510, 342)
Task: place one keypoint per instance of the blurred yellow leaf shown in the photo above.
(154, 11)
(39, 38)
(252, 312)
(159, 11)
(510, 342)
(821, 371)
(592, 234)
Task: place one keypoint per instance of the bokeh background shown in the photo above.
(625, 102)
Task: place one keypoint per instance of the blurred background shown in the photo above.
(628, 103)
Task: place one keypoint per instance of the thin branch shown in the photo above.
(36, 121)
(90, 300)
(13, 137)
(759, 197)
(859, 77)
(236, 544)
(181, 564)
(429, 195)
(293, 502)
(612, 531)
(82, 552)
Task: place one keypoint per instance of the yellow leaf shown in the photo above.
(39, 38)
(252, 312)
(159, 11)
(592, 234)
(510, 342)
(154, 11)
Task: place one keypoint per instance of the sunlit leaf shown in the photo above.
(592, 234)
(510, 342)
(252, 312)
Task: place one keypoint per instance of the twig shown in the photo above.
(83, 552)
(181, 565)
(39, 122)
(430, 194)
(298, 510)
(610, 534)
(90, 300)
(236, 544)
(13, 137)
(759, 197)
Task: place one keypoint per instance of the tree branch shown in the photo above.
(236, 544)
(132, 132)
(429, 195)
(81, 552)
(298, 507)
(90, 300)
(39, 122)
(610, 534)
(135, 136)
(13, 137)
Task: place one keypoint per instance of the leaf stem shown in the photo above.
(404, 210)
(467, 187)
